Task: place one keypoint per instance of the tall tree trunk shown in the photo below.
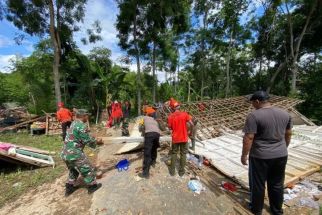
(153, 72)
(57, 51)
(138, 76)
(271, 83)
(203, 49)
(228, 57)
(189, 89)
(294, 70)
(295, 43)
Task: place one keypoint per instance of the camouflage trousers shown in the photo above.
(83, 167)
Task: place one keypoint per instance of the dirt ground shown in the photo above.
(122, 193)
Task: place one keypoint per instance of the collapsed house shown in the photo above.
(220, 137)
(219, 130)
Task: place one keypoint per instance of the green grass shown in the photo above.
(26, 178)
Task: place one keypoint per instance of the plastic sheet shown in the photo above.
(196, 186)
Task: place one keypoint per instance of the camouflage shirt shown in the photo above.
(76, 139)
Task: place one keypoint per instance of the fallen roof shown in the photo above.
(217, 115)
(304, 154)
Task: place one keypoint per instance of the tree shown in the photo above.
(232, 31)
(308, 8)
(56, 18)
(172, 21)
(285, 34)
(130, 27)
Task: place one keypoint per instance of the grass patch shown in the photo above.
(15, 180)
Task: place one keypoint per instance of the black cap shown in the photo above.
(260, 96)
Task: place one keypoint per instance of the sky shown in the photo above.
(104, 10)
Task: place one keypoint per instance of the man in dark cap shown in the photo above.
(267, 136)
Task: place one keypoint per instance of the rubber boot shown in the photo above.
(94, 187)
(70, 188)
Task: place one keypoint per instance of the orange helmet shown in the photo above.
(149, 110)
(174, 103)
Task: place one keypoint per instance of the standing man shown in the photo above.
(72, 154)
(177, 122)
(267, 136)
(193, 133)
(65, 117)
(157, 116)
(126, 109)
(151, 131)
(117, 114)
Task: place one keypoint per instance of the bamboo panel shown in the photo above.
(224, 154)
(220, 115)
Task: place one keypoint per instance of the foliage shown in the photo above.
(206, 49)
(311, 88)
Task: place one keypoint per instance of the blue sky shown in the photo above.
(104, 10)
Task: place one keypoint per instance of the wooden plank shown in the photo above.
(47, 124)
(131, 139)
(21, 124)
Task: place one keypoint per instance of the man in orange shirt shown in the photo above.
(65, 117)
(177, 122)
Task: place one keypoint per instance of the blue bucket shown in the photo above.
(123, 165)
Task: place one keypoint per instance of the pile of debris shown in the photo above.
(25, 155)
(11, 114)
(13, 117)
(220, 138)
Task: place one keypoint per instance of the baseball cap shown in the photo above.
(260, 96)
(156, 106)
(82, 112)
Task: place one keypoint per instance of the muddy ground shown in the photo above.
(122, 193)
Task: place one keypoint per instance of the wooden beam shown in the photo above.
(131, 139)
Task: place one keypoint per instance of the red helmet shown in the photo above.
(60, 104)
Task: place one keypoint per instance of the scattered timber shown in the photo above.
(22, 124)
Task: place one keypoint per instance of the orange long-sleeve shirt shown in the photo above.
(64, 115)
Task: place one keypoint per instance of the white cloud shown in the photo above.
(5, 63)
(106, 12)
(5, 41)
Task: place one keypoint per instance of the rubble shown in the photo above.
(25, 155)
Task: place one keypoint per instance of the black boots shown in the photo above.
(70, 188)
(144, 176)
(94, 187)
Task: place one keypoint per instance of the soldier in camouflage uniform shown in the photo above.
(72, 154)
